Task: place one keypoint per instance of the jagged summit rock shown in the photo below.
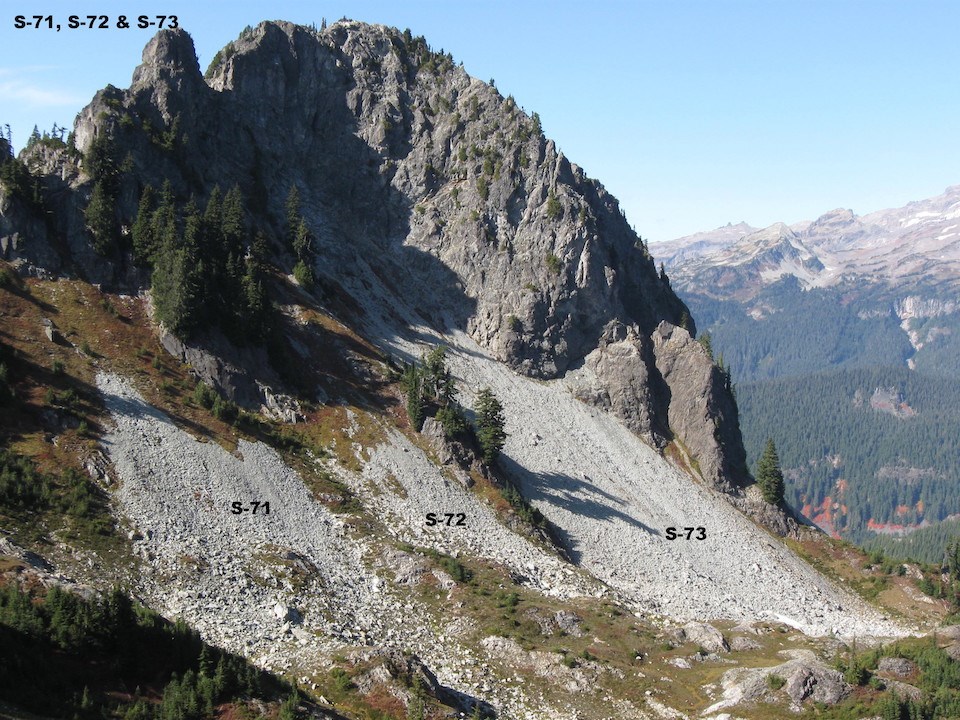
(890, 249)
(170, 55)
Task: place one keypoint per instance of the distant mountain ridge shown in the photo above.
(919, 242)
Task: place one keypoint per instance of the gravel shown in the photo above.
(178, 492)
(610, 496)
(428, 489)
(228, 574)
(613, 498)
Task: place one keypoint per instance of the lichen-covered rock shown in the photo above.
(706, 636)
(817, 683)
(740, 643)
(896, 667)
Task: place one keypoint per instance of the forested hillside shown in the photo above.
(858, 388)
(863, 449)
(789, 331)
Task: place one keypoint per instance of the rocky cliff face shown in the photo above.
(414, 173)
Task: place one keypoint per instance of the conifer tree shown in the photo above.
(490, 422)
(100, 218)
(769, 475)
(292, 208)
(231, 223)
(144, 238)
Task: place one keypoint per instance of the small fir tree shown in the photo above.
(769, 475)
(490, 422)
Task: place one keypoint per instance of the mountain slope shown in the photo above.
(431, 212)
(410, 170)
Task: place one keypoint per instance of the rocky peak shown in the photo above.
(835, 229)
(169, 57)
(425, 191)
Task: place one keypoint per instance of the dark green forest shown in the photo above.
(927, 543)
(804, 375)
(887, 461)
(70, 657)
(207, 270)
(803, 332)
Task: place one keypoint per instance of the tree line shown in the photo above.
(67, 656)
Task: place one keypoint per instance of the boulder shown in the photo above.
(706, 636)
(896, 667)
(815, 682)
(740, 643)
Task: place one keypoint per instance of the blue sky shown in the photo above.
(693, 114)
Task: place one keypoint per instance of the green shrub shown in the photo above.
(524, 510)
(109, 307)
(553, 263)
(554, 208)
(204, 395)
(927, 587)
(775, 682)
(453, 421)
(21, 485)
(225, 410)
(303, 275)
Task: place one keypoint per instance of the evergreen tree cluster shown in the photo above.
(24, 489)
(15, 178)
(59, 646)
(52, 139)
(101, 164)
(925, 544)
(299, 240)
(939, 681)
(431, 391)
(207, 270)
